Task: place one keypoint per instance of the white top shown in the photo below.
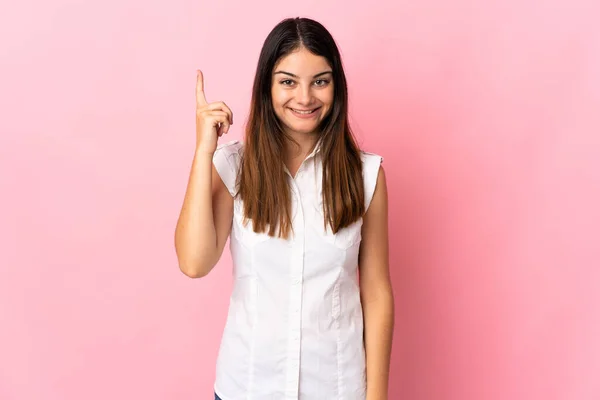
(294, 328)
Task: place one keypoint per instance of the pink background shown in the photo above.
(488, 118)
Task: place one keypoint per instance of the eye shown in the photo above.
(287, 82)
(322, 82)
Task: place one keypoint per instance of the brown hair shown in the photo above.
(262, 181)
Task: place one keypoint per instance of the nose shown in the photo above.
(304, 95)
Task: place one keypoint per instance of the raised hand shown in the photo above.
(212, 119)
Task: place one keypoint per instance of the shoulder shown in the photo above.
(370, 159)
(233, 147)
(227, 161)
(371, 164)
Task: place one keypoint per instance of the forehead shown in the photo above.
(302, 63)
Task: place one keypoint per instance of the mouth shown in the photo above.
(304, 113)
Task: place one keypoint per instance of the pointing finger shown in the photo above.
(200, 98)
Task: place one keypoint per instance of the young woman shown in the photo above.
(307, 214)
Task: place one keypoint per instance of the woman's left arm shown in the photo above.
(376, 292)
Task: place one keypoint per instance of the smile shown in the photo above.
(304, 112)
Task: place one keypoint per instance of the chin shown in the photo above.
(303, 128)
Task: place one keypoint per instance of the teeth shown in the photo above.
(303, 112)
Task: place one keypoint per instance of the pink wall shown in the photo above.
(487, 116)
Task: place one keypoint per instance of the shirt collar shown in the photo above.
(317, 148)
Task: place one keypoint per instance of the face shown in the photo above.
(302, 91)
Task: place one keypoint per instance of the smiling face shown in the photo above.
(302, 91)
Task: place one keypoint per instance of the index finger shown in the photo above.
(200, 98)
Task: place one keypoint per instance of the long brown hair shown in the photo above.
(263, 184)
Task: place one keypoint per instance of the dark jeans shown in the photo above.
(217, 397)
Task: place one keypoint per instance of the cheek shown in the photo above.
(327, 98)
(330, 97)
(328, 101)
(278, 99)
(274, 95)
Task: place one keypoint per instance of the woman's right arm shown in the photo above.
(206, 214)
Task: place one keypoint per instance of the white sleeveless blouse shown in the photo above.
(294, 328)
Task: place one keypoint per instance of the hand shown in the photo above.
(212, 120)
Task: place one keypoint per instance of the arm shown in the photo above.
(207, 213)
(205, 219)
(376, 292)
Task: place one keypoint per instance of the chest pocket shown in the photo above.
(345, 238)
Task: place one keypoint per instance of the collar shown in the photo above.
(317, 148)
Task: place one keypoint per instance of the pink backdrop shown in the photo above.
(487, 116)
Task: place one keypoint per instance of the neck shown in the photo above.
(305, 145)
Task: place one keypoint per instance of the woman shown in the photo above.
(307, 213)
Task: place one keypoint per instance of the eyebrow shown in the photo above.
(296, 76)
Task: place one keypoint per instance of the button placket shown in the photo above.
(295, 305)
